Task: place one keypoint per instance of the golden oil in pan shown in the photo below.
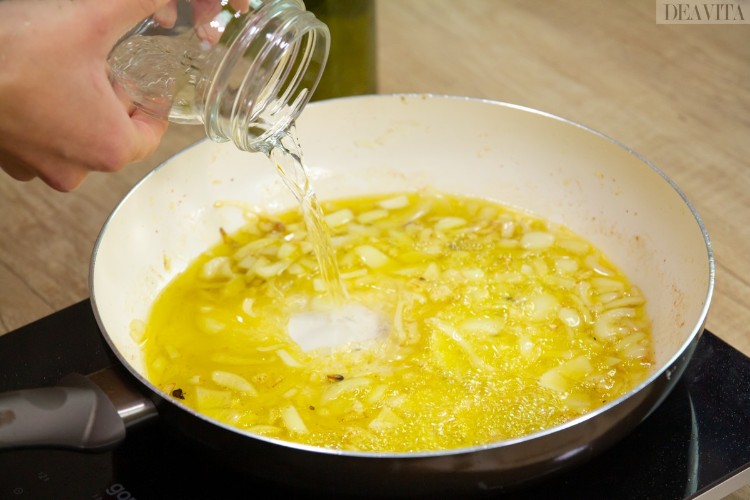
(490, 324)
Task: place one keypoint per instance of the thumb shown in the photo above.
(121, 15)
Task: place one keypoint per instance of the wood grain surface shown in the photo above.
(677, 94)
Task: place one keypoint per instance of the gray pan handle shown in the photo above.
(74, 414)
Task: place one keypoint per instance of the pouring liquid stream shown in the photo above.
(339, 322)
(286, 154)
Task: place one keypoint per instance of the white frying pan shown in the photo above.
(384, 144)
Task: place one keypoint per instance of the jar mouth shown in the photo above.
(268, 75)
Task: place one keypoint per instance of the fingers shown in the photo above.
(240, 5)
(208, 33)
(167, 16)
(61, 179)
(131, 12)
(64, 179)
(100, 130)
(149, 132)
(17, 172)
(122, 15)
(139, 135)
(204, 11)
(123, 97)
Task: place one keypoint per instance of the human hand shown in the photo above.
(204, 13)
(60, 117)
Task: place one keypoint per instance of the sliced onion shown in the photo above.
(605, 327)
(385, 420)
(577, 368)
(626, 302)
(247, 306)
(553, 379)
(266, 430)
(604, 285)
(543, 307)
(137, 329)
(372, 216)
(473, 274)
(566, 265)
(507, 229)
(286, 250)
(212, 398)
(450, 331)
(293, 421)
(288, 359)
(209, 325)
(233, 381)
(432, 272)
(339, 218)
(593, 263)
(346, 385)
(217, 269)
(447, 223)
(487, 326)
(395, 203)
(269, 270)
(569, 316)
(371, 256)
(537, 240)
(577, 247)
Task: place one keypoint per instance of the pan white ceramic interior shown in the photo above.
(386, 144)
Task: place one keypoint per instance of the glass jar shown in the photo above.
(243, 68)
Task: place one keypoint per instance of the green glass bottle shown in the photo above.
(351, 67)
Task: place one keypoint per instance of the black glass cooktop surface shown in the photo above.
(697, 438)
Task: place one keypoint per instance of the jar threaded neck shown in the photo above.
(269, 73)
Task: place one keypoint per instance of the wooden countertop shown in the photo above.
(677, 94)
